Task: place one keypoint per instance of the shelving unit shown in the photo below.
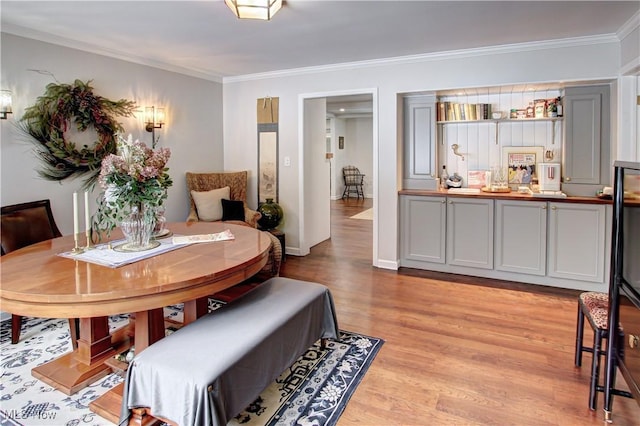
(505, 120)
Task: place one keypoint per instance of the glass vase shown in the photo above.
(271, 214)
(138, 229)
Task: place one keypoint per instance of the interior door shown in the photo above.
(317, 192)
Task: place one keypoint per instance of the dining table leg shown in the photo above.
(149, 328)
(75, 370)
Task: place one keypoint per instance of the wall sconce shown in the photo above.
(5, 104)
(254, 9)
(154, 119)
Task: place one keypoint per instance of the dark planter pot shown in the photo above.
(271, 214)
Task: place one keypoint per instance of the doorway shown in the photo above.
(357, 112)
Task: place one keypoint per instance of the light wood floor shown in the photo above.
(458, 351)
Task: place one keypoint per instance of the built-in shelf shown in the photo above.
(502, 120)
(506, 120)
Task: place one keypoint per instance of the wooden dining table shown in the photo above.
(36, 281)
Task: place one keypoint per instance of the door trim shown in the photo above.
(304, 246)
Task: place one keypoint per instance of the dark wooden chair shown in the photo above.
(594, 306)
(22, 225)
(353, 182)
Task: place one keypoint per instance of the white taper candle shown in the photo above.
(87, 219)
(75, 214)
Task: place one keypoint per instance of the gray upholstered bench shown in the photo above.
(210, 370)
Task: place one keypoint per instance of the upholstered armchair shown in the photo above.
(205, 189)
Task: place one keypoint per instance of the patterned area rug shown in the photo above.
(313, 391)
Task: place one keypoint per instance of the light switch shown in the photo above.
(287, 161)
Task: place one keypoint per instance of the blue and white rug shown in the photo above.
(313, 391)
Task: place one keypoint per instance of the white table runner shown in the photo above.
(105, 255)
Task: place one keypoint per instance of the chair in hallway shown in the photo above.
(22, 225)
(353, 182)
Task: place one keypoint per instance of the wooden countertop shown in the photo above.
(513, 195)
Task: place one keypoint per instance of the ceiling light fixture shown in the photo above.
(254, 9)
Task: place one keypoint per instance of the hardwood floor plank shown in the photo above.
(458, 350)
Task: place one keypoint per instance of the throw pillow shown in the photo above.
(232, 210)
(208, 203)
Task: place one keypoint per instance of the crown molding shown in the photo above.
(438, 56)
(90, 48)
(629, 26)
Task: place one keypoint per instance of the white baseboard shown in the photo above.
(387, 264)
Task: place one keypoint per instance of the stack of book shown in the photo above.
(454, 111)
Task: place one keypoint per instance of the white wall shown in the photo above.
(358, 151)
(558, 61)
(193, 131)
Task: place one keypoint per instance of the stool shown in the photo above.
(595, 307)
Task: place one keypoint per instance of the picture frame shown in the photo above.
(521, 163)
(267, 162)
(477, 179)
(340, 142)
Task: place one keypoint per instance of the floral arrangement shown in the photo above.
(134, 181)
(66, 105)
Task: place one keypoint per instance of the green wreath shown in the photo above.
(61, 106)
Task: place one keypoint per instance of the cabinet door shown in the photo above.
(577, 241)
(422, 228)
(419, 142)
(521, 236)
(470, 232)
(586, 157)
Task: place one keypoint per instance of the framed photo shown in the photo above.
(340, 142)
(521, 163)
(477, 179)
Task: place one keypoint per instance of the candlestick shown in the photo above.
(76, 248)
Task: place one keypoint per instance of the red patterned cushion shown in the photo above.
(600, 317)
(595, 306)
(593, 300)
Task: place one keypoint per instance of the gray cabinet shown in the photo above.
(521, 236)
(586, 143)
(577, 241)
(559, 244)
(470, 232)
(419, 171)
(423, 226)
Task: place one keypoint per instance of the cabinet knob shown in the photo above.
(544, 207)
(633, 341)
(450, 202)
(553, 207)
(442, 201)
(567, 179)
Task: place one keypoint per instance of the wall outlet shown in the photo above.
(287, 161)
